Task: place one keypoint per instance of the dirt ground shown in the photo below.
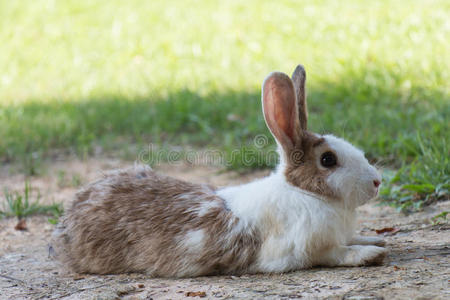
(418, 266)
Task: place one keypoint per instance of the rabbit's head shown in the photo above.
(324, 165)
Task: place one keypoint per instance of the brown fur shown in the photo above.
(305, 173)
(136, 221)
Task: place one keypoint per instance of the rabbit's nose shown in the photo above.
(376, 183)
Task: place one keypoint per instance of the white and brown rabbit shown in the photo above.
(302, 215)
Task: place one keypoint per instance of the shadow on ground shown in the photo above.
(385, 122)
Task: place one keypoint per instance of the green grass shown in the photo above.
(64, 180)
(81, 76)
(21, 205)
(440, 218)
(421, 182)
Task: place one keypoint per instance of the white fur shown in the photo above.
(301, 229)
(193, 240)
(192, 244)
(353, 179)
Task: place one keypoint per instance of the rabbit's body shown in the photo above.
(136, 220)
(302, 215)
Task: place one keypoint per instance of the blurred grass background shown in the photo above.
(76, 76)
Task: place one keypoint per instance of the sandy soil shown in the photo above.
(418, 266)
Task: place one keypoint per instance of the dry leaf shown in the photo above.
(195, 294)
(386, 229)
(21, 225)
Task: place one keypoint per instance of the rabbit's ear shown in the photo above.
(280, 110)
(299, 78)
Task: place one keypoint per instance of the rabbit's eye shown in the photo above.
(328, 159)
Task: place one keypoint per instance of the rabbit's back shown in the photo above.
(135, 220)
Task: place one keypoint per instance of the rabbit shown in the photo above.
(302, 215)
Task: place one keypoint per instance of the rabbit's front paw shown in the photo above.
(353, 256)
